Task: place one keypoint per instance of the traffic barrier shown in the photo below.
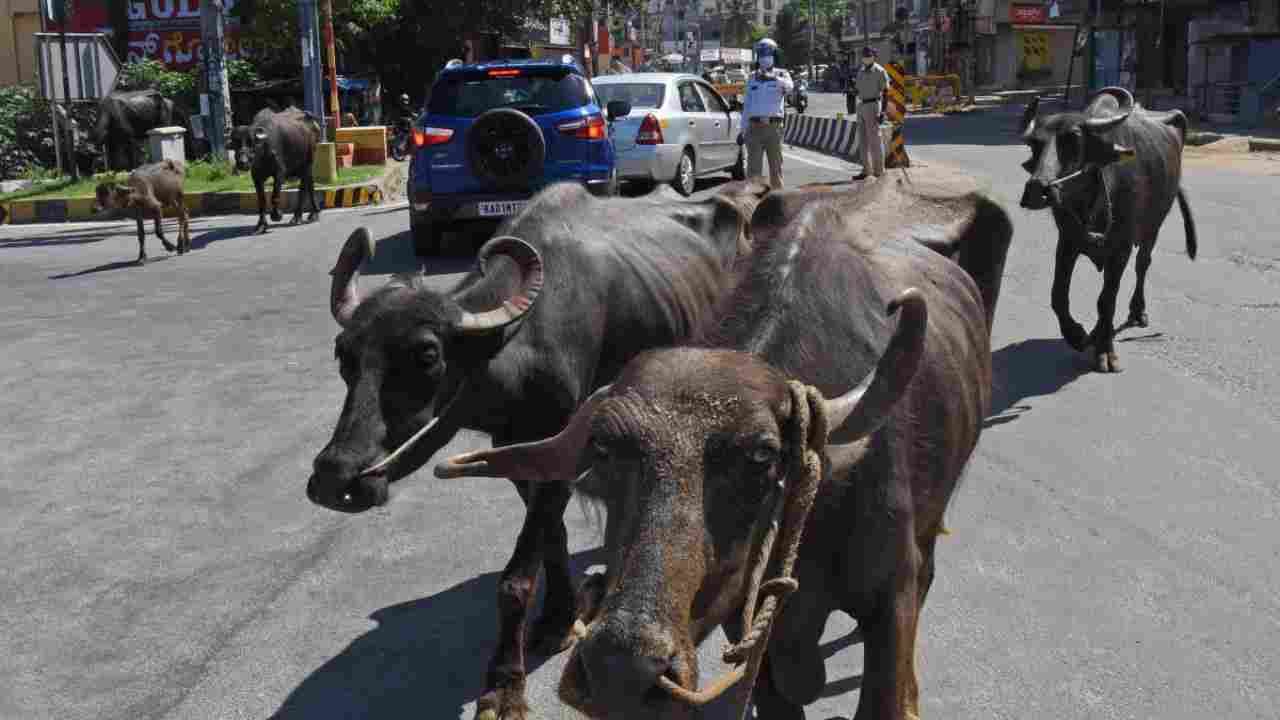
(77, 209)
(830, 135)
(896, 110)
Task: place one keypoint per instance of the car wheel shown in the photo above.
(739, 169)
(683, 182)
(426, 237)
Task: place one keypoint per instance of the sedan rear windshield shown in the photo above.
(640, 95)
(536, 92)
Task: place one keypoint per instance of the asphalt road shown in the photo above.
(1115, 551)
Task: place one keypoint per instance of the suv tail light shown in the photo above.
(590, 127)
(425, 137)
(650, 131)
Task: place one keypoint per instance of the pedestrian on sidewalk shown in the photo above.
(763, 111)
(872, 88)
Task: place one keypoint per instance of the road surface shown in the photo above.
(1115, 551)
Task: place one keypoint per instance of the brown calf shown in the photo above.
(149, 190)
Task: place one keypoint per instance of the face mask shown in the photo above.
(766, 62)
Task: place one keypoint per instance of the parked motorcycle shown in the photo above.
(798, 98)
(400, 138)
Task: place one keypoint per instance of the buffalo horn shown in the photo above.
(551, 460)
(1097, 125)
(344, 295)
(517, 305)
(865, 408)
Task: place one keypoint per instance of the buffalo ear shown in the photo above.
(1105, 152)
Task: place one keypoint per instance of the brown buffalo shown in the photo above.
(149, 190)
(809, 408)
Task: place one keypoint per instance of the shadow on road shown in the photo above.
(990, 126)
(54, 240)
(118, 265)
(204, 239)
(1027, 369)
(426, 658)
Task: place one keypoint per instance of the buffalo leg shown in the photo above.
(309, 187)
(1103, 336)
(1064, 265)
(184, 227)
(770, 703)
(142, 237)
(1138, 305)
(277, 181)
(890, 690)
(554, 630)
(157, 211)
(260, 186)
(503, 698)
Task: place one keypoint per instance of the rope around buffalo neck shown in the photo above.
(787, 510)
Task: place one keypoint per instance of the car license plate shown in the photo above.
(500, 209)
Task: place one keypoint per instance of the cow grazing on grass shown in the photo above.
(149, 190)
(808, 447)
(123, 121)
(563, 295)
(283, 146)
(1110, 174)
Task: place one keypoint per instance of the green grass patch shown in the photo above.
(201, 177)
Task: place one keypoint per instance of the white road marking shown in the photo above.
(824, 165)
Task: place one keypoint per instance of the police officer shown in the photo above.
(871, 85)
(763, 111)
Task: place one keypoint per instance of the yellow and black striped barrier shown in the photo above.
(897, 112)
(198, 204)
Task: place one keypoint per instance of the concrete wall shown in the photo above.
(19, 21)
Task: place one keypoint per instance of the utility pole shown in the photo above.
(57, 11)
(310, 41)
(813, 27)
(218, 96)
(332, 60)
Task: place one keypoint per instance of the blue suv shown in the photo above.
(497, 132)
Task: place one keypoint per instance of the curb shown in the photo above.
(17, 212)
(1257, 144)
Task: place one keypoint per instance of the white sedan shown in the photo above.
(679, 129)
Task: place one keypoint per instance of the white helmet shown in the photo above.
(766, 46)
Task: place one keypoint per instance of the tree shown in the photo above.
(790, 34)
(737, 21)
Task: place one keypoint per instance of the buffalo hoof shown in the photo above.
(276, 216)
(1107, 362)
(504, 703)
(1139, 320)
(313, 217)
(296, 219)
(261, 229)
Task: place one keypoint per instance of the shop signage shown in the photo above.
(1028, 14)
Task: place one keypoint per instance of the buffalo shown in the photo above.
(1110, 175)
(804, 450)
(149, 190)
(123, 121)
(283, 146)
(561, 298)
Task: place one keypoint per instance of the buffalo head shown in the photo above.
(242, 143)
(694, 450)
(108, 196)
(1067, 148)
(400, 354)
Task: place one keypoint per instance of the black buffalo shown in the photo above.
(1110, 174)
(123, 121)
(807, 394)
(283, 146)
(562, 296)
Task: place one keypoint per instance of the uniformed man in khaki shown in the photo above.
(872, 88)
(763, 112)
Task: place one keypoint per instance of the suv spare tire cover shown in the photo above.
(505, 148)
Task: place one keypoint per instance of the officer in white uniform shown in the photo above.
(762, 114)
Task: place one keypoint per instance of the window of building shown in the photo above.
(768, 20)
(768, 4)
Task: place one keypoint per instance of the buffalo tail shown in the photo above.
(1188, 223)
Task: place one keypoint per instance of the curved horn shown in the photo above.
(344, 295)
(865, 408)
(551, 460)
(517, 305)
(1126, 107)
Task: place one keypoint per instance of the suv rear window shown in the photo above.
(640, 95)
(536, 92)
